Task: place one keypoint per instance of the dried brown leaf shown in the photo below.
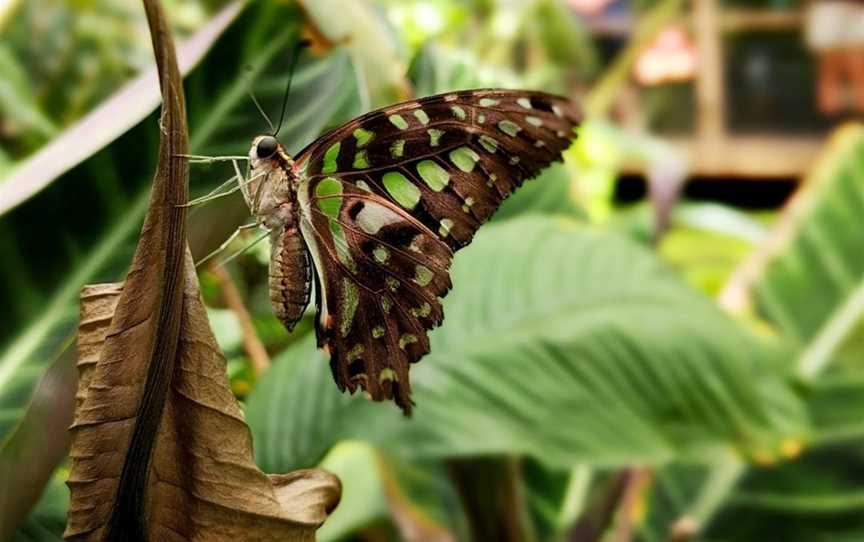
(203, 484)
(160, 448)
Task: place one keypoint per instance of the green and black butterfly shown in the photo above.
(372, 212)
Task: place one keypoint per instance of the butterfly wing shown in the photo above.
(388, 197)
(450, 159)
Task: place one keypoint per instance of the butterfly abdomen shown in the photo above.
(290, 276)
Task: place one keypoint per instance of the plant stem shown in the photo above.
(721, 481)
(492, 494)
(258, 357)
(602, 95)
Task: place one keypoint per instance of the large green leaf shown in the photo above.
(559, 342)
(812, 287)
(807, 279)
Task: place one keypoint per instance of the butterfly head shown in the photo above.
(266, 150)
(269, 177)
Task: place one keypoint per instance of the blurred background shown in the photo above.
(659, 339)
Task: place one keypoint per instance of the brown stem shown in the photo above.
(638, 480)
(492, 494)
(158, 266)
(413, 525)
(258, 356)
(599, 515)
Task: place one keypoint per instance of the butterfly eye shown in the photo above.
(266, 147)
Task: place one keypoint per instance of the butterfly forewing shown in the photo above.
(391, 195)
(448, 159)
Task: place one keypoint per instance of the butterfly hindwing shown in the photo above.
(382, 274)
(451, 159)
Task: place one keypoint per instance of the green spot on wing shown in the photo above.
(488, 143)
(407, 339)
(363, 137)
(444, 230)
(433, 175)
(360, 160)
(401, 189)
(524, 102)
(423, 275)
(458, 112)
(381, 254)
(487, 102)
(421, 116)
(391, 283)
(350, 299)
(397, 149)
(434, 136)
(534, 121)
(386, 375)
(464, 158)
(341, 244)
(398, 121)
(509, 127)
(330, 158)
(355, 353)
(422, 311)
(329, 192)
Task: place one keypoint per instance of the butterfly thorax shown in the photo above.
(271, 189)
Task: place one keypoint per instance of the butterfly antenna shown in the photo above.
(261, 109)
(302, 44)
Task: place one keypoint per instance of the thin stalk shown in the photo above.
(603, 94)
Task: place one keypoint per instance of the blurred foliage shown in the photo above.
(59, 59)
(569, 345)
(818, 263)
(597, 341)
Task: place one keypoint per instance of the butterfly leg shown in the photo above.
(227, 242)
(216, 194)
(199, 159)
(254, 242)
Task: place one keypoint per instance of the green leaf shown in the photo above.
(369, 41)
(434, 70)
(30, 453)
(565, 38)
(559, 342)
(48, 518)
(812, 288)
(362, 500)
(17, 101)
(818, 497)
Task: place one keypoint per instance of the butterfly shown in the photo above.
(371, 213)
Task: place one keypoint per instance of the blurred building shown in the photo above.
(738, 87)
